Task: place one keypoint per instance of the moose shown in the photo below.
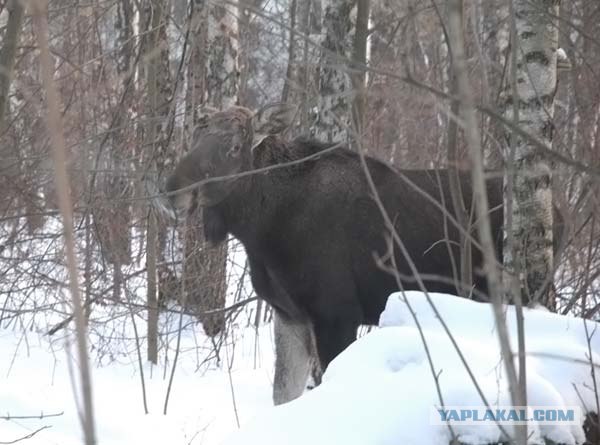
(313, 232)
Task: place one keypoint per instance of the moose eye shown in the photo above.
(234, 150)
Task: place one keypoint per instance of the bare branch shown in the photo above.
(28, 436)
(39, 416)
(482, 205)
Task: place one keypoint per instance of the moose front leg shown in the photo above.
(294, 357)
(294, 345)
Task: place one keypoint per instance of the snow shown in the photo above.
(207, 398)
(561, 54)
(35, 379)
(380, 390)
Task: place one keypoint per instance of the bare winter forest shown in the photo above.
(99, 100)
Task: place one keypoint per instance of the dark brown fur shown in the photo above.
(313, 232)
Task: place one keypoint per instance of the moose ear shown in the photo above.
(205, 111)
(203, 115)
(199, 129)
(272, 119)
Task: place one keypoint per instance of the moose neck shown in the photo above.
(248, 209)
(251, 210)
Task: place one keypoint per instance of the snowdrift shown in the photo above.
(380, 390)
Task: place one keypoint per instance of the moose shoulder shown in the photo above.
(312, 230)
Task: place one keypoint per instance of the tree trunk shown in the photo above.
(531, 106)
(248, 32)
(495, 48)
(112, 220)
(8, 54)
(289, 72)
(335, 88)
(456, 163)
(213, 79)
(8, 150)
(159, 90)
(222, 74)
(307, 58)
(359, 59)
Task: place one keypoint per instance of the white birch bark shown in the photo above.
(335, 86)
(222, 78)
(530, 104)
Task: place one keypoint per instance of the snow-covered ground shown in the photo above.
(207, 399)
(202, 409)
(379, 391)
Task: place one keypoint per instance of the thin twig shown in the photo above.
(413, 314)
(39, 416)
(138, 350)
(230, 378)
(28, 436)
(588, 338)
(179, 331)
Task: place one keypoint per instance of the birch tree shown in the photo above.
(359, 62)
(213, 80)
(530, 105)
(335, 86)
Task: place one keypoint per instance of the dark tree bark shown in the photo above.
(456, 163)
(8, 53)
(158, 158)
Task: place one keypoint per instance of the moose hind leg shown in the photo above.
(293, 358)
(333, 335)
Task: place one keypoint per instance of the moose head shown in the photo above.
(222, 146)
